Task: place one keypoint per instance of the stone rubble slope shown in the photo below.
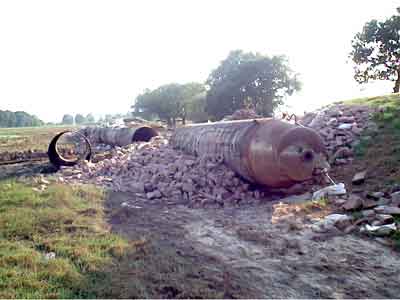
(341, 126)
(156, 172)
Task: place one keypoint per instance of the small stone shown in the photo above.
(383, 201)
(188, 187)
(354, 202)
(341, 161)
(350, 229)
(356, 130)
(339, 201)
(395, 197)
(345, 126)
(368, 213)
(375, 195)
(382, 230)
(387, 210)
(359, 177)
(50, 256)
(369, 203)
(153, 195)
(137, 187)
(346, 119)
(383, 219)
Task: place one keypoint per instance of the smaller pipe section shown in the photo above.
(115, 136)
(56, 157)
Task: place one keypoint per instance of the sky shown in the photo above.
(60, 57)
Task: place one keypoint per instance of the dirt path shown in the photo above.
(245, 254)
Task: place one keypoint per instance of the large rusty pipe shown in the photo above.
(265, 151)
(116, 136)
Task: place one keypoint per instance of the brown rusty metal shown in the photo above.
(265, 151)
(58, 160)
(116, 136)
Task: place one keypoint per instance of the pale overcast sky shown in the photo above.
(81, 56)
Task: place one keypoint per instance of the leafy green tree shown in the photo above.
(23, 119)
(376, 51)
(67, 119)
(168, 102)
(90, 118)
(196, 108)
(248, 80)
(80, 119)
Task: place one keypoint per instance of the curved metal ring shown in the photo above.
(57, 160)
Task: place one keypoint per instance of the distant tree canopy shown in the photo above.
(90, 118)
(67, 119)
(169, 102)
(80, 119)
(18, 119)
(248, 80)
(376, 51)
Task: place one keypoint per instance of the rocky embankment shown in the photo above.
(341, 126)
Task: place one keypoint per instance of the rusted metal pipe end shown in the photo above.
(144, 134)
(58, 160)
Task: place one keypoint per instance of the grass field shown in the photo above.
(28, 138)
(63, 221)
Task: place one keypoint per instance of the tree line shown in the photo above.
(18, 119)
(242, 80)
(79, 119)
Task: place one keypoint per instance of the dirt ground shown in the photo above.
(258, 252)
(255, 251)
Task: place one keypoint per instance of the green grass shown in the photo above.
(314, 204)
(90, 261)
(28, 138)
(386, 101)
(65, 220)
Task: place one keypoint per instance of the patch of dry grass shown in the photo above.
(67, 221)
(28, 138)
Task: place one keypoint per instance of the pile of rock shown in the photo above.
(153, 171)
(21, 155)
(373, 213)
(340, 126)
(242, 114)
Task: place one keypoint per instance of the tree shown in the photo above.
(168, 102)
(67, 119)
(90, 119)
(376, 51)
(248, 80)
(23, 119)
(80, 119)
(18, 119)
